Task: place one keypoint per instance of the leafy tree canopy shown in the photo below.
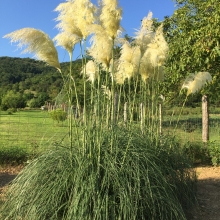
(193, 35)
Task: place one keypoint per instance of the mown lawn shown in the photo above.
(28, 128)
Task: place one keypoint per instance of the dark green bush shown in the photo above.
(214, 152)
(10, 111)
(13, 155)
(58, 115)
(198, 153)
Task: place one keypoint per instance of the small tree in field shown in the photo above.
(12, 100)
(58, 115)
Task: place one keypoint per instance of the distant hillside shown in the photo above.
(21, 74)
(25, 74)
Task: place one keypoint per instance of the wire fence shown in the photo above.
(30, 128)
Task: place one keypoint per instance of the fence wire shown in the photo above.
(36, 128)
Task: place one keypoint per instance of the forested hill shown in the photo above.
(25, 75)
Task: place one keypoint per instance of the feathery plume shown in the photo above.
(91, 71)
(36, 42)
(114, 73)
(145, 70)
(75, 17)
(194, 82)
(145, 34)
(154, 56)
(66, 41)
(128, 62)
(101, 49)
(117, 74)
(160, 47)
(157, 50)
(110, 17)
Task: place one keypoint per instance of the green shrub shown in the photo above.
(10, 111)
(214, 151)
(13, 155)
(198, 153)
(58, 115)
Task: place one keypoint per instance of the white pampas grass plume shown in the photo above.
(110, 17)
(147, 22)
(145, 69)
(158, 48)
(194, 82)
(67, 22)
(156, 52)
(120, 77)
(75, 17)
(128, 63)
(145, 34)
(154, 57)
(116, 75)
(36, 42)
(91, 71)
(101, 48)
(84, 13)
(66, 41)
(130, 54)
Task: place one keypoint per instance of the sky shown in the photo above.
(40, 14)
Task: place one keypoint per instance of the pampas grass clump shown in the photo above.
(133, 180)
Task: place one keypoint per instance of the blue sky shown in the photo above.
(39, 14)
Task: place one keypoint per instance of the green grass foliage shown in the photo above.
(13, 155)
(140, 178)
(26, 128)
(214, 152)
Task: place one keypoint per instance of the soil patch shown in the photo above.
(7, 174)
(208, 194)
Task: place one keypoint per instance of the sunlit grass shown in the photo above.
(28, 128)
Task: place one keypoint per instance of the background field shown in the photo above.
(31, 128)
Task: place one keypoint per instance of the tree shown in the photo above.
(12, 100)
(39, 100)
(193, 35)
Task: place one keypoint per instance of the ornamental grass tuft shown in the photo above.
(137, 179)
(116, 163)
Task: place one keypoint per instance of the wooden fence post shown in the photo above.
(115, 113)
(142, 116)
(160, 119)
(205, 119)
(125, 113)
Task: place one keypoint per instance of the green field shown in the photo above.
(189, 124)
(30, 128)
